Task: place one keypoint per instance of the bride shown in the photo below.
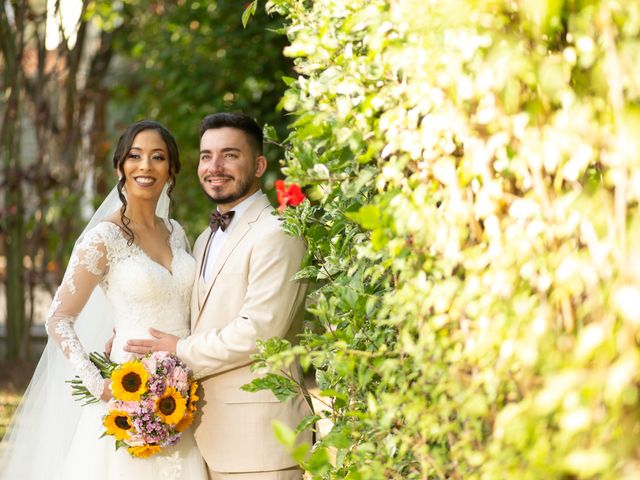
(140, 260)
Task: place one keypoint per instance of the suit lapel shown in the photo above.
(202, 254)
(237, 234)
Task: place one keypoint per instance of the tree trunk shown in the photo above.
(14, 250)
(62, 104)
(13, 234)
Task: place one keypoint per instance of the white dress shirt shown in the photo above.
(216, 243)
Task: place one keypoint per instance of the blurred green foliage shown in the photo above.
(180, 61)
(473, 174)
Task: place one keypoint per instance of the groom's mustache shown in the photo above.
(217, 175)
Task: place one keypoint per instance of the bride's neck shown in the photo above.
(141, 213)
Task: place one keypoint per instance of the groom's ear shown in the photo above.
(261, 165)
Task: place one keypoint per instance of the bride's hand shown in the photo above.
(106, 391)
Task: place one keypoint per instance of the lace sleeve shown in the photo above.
(87, 267)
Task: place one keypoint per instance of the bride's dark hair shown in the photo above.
(120, 156)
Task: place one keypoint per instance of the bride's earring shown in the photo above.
(123, 189)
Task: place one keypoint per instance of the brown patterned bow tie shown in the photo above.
(220, 220)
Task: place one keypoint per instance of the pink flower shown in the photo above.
(150, 364)
(129, 407)
(161, 355)
(148, 426)
(179, 379)
(135, 440)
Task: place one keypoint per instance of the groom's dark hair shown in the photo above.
(235, 120)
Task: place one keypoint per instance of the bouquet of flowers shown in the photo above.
(153, 401)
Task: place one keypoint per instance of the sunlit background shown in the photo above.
(472, 177)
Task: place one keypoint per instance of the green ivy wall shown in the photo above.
(473, 174)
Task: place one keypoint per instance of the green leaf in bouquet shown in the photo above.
(79, 391)
(103, 363)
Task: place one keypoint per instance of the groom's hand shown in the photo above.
(161, 342)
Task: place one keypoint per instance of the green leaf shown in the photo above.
(318, 461)
(307, 422)
(284, 434)
(334, 394)
(369, 217)
(249, 12)
(310, 271)
(339, 437)
(288, 81)
(300, 452)
(270, 133)
(282, 387)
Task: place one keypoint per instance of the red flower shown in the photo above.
(288, 196)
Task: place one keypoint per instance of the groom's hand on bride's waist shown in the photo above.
(161, 342)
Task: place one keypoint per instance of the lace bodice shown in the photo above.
(143, 294)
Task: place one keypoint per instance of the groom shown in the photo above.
(243, 291)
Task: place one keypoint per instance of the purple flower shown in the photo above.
(149, 428)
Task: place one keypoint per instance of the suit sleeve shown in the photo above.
(271, 301)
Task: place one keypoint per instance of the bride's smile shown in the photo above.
(145, 181)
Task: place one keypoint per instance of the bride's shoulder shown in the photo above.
(176, 226)
(178, 234)
(102, 234)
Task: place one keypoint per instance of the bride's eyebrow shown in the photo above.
(162, 150)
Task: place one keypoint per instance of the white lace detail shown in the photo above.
(87, 255)
(53, 436)
(142, 292)
(171, 466)
(55, 303)
(178, 238)
(83, 273)
(79, 359)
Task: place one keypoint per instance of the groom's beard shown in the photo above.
(243, 188)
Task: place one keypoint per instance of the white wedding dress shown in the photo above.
(142, 294)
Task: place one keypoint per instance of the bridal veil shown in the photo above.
(44, 424)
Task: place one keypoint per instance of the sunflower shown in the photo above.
(193, 397)
(185, 423)
(171, 406)
(118, 424)
(129, 381)
(144, 450)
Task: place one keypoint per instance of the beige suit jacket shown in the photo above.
(250, 295)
